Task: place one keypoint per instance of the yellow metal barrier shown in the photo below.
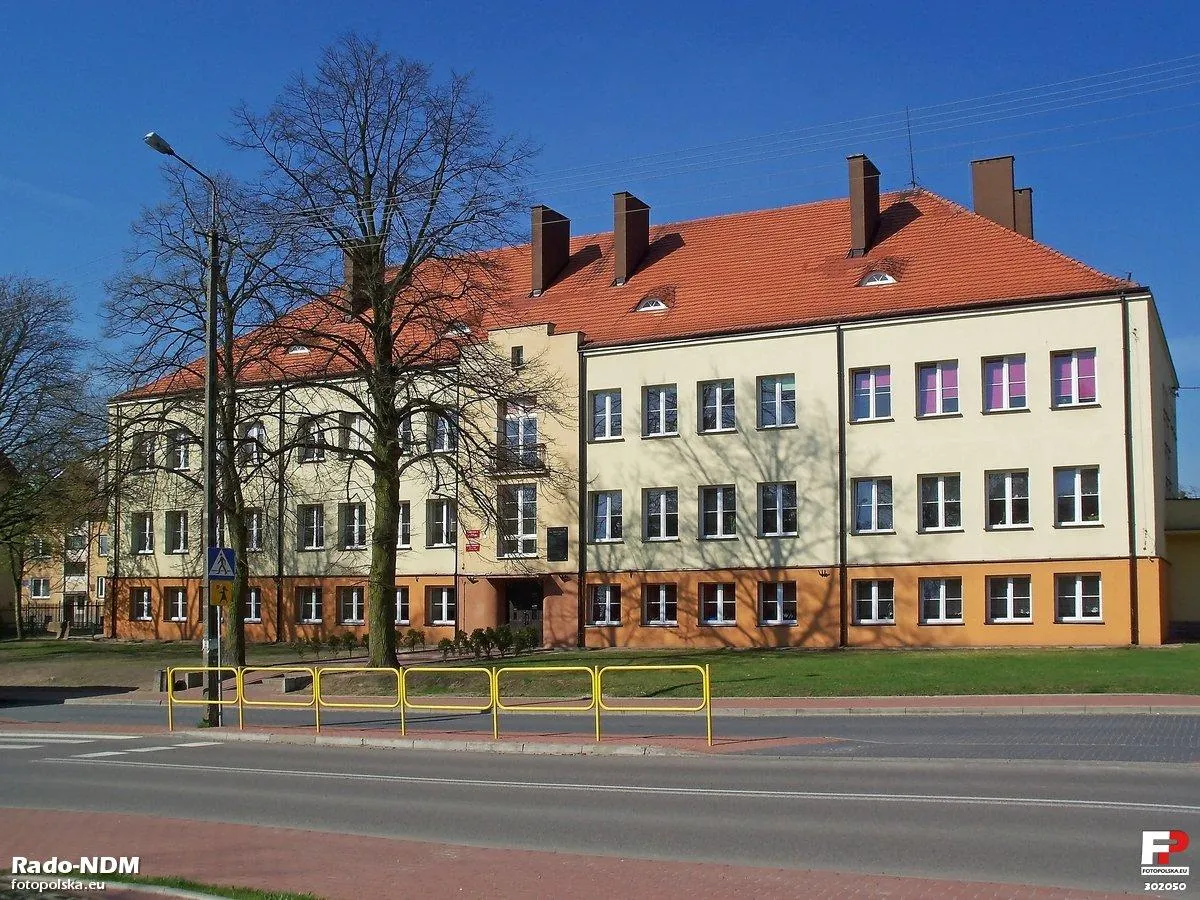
(172, 700)
(498, 704)
(450, 707)
(704, 704)
(244, 701)
(331, 704)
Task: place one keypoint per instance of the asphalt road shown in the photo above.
(1049, 823)
(1085, 738)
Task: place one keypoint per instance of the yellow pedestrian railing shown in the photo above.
(477, 707)
(360, 670)
(271, 671)
(569, 705)
(173, 701)
(702, 704)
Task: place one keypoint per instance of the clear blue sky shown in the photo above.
(598, 84)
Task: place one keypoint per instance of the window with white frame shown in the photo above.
(254, 529)
(354, 434)
(718, 604)
(875, 602)
(519, 434)
(39, 588)
(254, 444)
(141, 609)
(659, 605)
(141, 452)
(518, 520)
(103, 544)
(872, 393)
(1007, 499)
(777, 603)
(872, 505)
(178, 450)
(1077, 598)
(440, 524)
(310, 520)
(777, 508)
(1009, 599)
(352, 525)
(1004, 383)
(937, 388)
(661, 411)
(402, 613)
(75, 542)
(941, 601)
(605, 605)
(1073, 377)
(443, 606)
(941, 502)
(311, 439)
(1077, 495)
(718, 511)
(101, 587)
(177, 531)
(607, 521)
(404, 435)
(404, 525)
(252, 609)
(176, 603)
(442, 433)
(351, 606)
(606, 415)
(717, 411)
(662, 514)
(776, 401)
(142, 532)
(309, 607)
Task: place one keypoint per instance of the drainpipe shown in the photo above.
(114, 549)
(1130, 498)
(281, 473)
(843, 587)
(580, 598)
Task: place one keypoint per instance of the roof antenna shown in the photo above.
(912, 168)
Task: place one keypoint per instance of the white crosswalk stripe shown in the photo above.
(34, 740)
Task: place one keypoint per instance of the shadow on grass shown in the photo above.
(29, 695)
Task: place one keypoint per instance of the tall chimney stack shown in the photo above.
(996, 199)
(631, 235)
(550, 237)
(864, 204)
(1023, 207)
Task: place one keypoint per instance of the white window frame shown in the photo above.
(774, 595)
(143, 533)
(1009, 597)
(353, 433)
(101, 587)
(34, 584)
(254, 529)
(519, 532)
(401, 603)
(442, 433)
(874, 596)
(1009, 498)
(723, 597)
(310, 605)
(944, 598)
(723, 503)
(440, 523)
(668, 408)
(175, 604)
(178, 451)
(310, 521)
(1077, 598)
(519, 438)
(773, 501)
(103, 544)
(404, 525)
(1006, 383)
(941, 503)
(875, 526)
(667, 520)
(722, 390)
(606, 415)
(874, 394)
(141, 452)
(141, 605)
(1074, 400)
(254, 439)
(253, 609)
(356, 595)
(1077, 497)
(605, 598)
(352, 526)
(177, 537)
(659, 597)
(312, 440)
(773, 391)
(606, 517)
(443, 606)
(943, 405)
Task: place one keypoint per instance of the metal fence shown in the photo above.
(39, 619)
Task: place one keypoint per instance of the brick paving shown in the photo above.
(351, 867)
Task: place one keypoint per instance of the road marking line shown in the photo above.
(1065, 803)
(20, 735)
(46, 740)
(144, 749)
(101, 753)
(201, 744)
(19, 746)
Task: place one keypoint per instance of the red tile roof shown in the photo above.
(755, 271)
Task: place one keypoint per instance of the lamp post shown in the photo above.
(212, 633)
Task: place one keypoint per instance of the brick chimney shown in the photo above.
(995, 198)
(550, 245)
(864, 204)
(631, 235)
(1023, 208)
(361, 264)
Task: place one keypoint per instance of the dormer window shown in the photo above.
(298, 350)
(459, 328)
(650, 304)
(874, 279)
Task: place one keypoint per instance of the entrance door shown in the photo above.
(524, 601)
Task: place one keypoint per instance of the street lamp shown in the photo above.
(212, 634)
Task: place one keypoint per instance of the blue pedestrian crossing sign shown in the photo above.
(221, 561)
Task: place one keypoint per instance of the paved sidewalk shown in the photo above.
(350, 867)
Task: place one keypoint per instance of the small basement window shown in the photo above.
(873, 279)
(650, 304)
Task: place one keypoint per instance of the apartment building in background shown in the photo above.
(878, 421)
(65, 580)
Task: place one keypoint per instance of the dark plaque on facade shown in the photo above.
(556, 544)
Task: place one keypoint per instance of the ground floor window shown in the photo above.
(1009, 599)
(605, 606)
(39, 588)
(718, 604)
(141, 610)
(1077, 598)
(941, 601)
(176, 604)
(402, 613)
(309, 609)
(874, 602)
(777, 603)
(252, 609)
(659, 605)
(351, 606)
(443, 606)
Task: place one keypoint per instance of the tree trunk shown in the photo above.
(16, 565)
(381, 586)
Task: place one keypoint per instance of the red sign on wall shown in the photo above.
(472, 547)
(472, 534)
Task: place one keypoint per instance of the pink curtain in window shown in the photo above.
(1061, 373)
(928, 388)
(1016, 380)
(993, 380)
(950, 381)
(1087, 376)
